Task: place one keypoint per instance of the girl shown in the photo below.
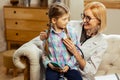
(56, 51)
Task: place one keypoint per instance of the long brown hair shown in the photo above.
(56, 10)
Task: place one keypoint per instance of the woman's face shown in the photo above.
(90, 21)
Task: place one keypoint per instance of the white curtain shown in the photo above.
(2, 28)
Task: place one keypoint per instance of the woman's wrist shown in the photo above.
(80, 60)
(76, 54)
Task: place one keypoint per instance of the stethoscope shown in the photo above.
(80, 51)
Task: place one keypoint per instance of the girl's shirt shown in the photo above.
(58, 52)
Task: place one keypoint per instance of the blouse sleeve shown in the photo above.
(93, 62)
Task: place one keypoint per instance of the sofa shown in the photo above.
(28, 56)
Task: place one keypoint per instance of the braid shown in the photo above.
(46, 42)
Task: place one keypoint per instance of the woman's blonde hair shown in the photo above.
(99, 11)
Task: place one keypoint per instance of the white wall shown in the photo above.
(76, 8)
(113, 16)
(113, 21)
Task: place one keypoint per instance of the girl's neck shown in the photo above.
(58, 30)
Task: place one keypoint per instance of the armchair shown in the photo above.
(28, 57)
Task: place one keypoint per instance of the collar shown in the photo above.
(52, 30)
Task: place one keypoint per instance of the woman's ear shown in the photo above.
(53, 20)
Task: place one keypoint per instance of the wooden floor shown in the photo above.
(8, 76)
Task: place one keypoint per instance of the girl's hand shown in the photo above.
(54, 68)
(43, 35)
(65, 69)
(70, 46)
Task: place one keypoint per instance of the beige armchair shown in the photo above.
(28, 57)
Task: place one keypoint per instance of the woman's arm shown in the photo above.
(91, 64)
(72, 48)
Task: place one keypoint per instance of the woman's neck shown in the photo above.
(91, 32)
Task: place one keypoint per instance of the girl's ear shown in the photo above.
(53, 20)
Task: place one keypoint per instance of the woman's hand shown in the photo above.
(43, 35)
(70, 46)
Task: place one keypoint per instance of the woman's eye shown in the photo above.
(88, 17)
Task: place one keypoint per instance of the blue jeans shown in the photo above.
(70, 74)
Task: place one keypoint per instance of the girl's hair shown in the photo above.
(99, 11)
(56, 10)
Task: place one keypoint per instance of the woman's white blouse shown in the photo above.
(93, 50)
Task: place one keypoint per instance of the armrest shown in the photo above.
(33, 53)
(31, 50)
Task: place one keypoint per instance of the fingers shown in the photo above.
(58, 69)
(67, 42)
(55, 68)
(43, 35)
(65, 69)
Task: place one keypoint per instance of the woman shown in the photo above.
(92, 41)
(93, 44)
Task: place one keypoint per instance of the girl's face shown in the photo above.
(60, 23)
(90, 21)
